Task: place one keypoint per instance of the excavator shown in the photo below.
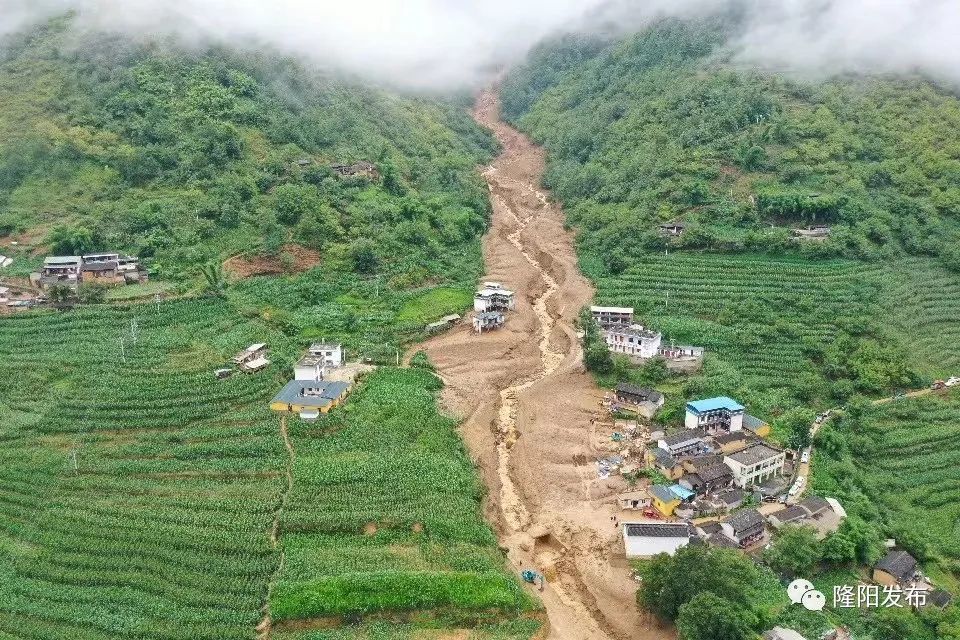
(532, 577)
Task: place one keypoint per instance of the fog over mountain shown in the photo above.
(454, 44)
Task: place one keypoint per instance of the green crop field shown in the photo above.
(896, 463)
(385, 512)
(137, 492)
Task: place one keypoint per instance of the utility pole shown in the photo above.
(123, 353)
(134, 330)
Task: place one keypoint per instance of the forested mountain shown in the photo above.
(657, 127)
(184, 157)
(660, 127)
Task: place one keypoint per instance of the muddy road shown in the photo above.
(528, 407)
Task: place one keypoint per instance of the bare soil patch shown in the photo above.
(247, 266)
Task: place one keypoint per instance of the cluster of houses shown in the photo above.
(715, 464)
(104, 268)
(490, 306)
(311, 393)
(638, 343)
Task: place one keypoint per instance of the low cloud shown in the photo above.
(456, 44)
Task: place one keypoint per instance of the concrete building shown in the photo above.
(488, 320)
(684, 443)
(633, 341)
(634, 500)
(608, 317)
(493, 297)
(647, 539)
(714, 415)
(755, 464)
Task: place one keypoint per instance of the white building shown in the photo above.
(331, 353)
(755, 464)
(487, 320)
(320, 357)
(493, 297)
(715, 415)
(647, 539)
(633, 341)
(608, 317)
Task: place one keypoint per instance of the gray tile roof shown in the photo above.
(790, 514)
(663, 458)
(686, 435)
(644, 394)
(658, 530)
(815, 505)
(899, 564)
(710, 527)
(744, 520)
(731, 497)
(714, 473)
(722, 541)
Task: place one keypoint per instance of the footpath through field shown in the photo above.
(527, 405)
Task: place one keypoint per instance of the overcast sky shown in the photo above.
(457, 43)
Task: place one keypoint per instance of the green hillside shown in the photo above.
(139, 492)
(658, 128)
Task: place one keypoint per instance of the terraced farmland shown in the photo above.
(385, 513)
(903, 457)
(138, 493)
(754, 314)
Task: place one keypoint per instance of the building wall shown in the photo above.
(754, 474)
(666, 508)
(736, 422)
(645, 547)
(691, 421)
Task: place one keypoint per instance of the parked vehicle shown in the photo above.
(952, 382)
(805, 457)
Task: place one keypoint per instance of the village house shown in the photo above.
(319, 357)
(812, 233)
(493, 297)
(361, 169)
(685, 443)
(664, 500)
(732, 442)
(731, 499)
(823, 514)
(608, 317)
(309, 398)
(896, 568)
(744, 527)
(487, 321)
(633, 341)
(755, 464)
(640, 399)
(680, 352)
(634, 500)
(714, 415)
(60, 270)
(647, 539)
(664, 462)
(708, 480)
(756, 426)
(252, 359)
(672, 228)
(692, 465)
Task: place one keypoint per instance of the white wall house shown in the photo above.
(755, 464)
(331, 353)
(714, 415)
(633, 340)
(646, 539)
(493, 297)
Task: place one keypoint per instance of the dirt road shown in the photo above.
(527, 405)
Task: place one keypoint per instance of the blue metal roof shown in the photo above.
(662, 493)
(681, 492)
(712, 404)
(323, 393)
